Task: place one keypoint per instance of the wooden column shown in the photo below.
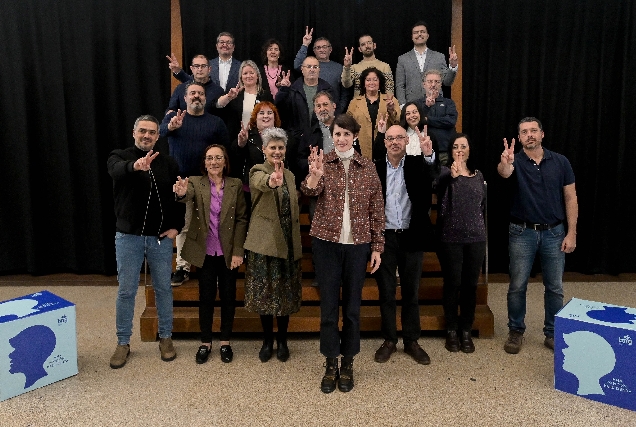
(456, 40)
(176, 36)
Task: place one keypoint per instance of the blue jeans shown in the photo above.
(129, 251)
(524, 244)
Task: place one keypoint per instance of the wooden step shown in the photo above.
(186, 319)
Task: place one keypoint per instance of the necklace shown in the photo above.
(276, 74)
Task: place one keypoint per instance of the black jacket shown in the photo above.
(292, 105)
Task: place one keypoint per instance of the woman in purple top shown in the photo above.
(214, 242)
(461, 196)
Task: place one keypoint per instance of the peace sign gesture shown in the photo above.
(508, 155)
(382, 119)
(348, 58)
(180, 187)
(315, 163)
(234, 92)
(284, 81)
(243, 134)
(276, 178)
(426, 145)
(452, 57)
(308, 36)
(173, 63)
(143, 163)
(177, 121)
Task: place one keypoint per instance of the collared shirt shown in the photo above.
(421, 58)
(327, 140)
(224, 71)
(398, 205)
(213, 240)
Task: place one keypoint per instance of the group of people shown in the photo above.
(369, 170)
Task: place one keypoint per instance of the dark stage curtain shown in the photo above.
(571, 64)
(342, 22)
(75, 75)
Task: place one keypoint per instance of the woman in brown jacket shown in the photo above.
(214, 242)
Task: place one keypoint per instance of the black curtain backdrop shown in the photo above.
(571, 64)
(76, 74)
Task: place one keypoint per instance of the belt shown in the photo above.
(536, 227)
(396, 230)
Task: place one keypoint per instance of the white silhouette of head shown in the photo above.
(20, 308)
(588, 356)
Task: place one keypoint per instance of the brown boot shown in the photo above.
(168, 353)
(120, 357)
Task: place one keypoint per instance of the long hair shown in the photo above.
(404, 124)
(363, 77)
(470, 162)
(259, 79)
(266, 46)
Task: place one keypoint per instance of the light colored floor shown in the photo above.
(487, 388)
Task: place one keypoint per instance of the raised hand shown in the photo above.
(431, 96)
(508, 155)
(452, 57)
(426, 144)
(180, 187)
(177, 121)
(173, 63)
(348, 58)
(308, 36)
(315, 162)
(382, 119)
(455, 169)
(234, 92)
(143, 163)
(390, 103)
(276, 178)
(243, 134)
(284, 81)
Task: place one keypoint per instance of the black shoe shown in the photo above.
(414, 350)
(466, 342)
(202, 354)
(452, 341)
(328, 383)
(226, 353)
(282, 352)
(179, 276)
(383, 354)
(266, 351)
(345, 383)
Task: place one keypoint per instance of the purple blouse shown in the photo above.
(213, 241)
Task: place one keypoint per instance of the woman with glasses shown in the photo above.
(214, 243)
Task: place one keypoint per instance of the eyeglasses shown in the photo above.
(221, 42)
(217, 158)
(315, 67)
(327, 46)
(198, 66)
(433, 82)
(395, 138)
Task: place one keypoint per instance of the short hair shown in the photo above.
(193, 83)
(226, 166)
(365, 35)
(345, 121)
(432, 71)
(363, 77)
(529, 120)
(226, 34)
(259, 79)
(311, 57)
(271, 134)
(146, 118)
(266, 46)
(419, 24)
(258, 107)
(403, 122)
(322, 39)
(322, 93)
(200, 55)
(470, 161)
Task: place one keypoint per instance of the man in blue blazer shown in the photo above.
(412, 65)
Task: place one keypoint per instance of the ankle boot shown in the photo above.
(466, 342)
(328, 383)
(345, 383)
(282, 351)
(266, 350)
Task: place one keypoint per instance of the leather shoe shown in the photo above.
(226, 353)
(385, 351)
(466, 342)
(452, 341)
(414, 350)
(345, 383)
(282, 352)
(266, 351)
(328, 383)
(202, 354)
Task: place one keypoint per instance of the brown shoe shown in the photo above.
(414, 350)
(549, 342)
(466, 342)
(168, 353)
(514, 342)
(385, 351)
(120, 357)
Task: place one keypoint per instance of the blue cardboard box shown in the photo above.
(38, 342)
(595, 352)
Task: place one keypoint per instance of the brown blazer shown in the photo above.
(265, 235)
(359, 111)
(232, 225)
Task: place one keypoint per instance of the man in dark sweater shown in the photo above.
(189, 133)
(200, 74)
(148, 218)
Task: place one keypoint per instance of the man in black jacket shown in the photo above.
(148, 219)
(407, 186)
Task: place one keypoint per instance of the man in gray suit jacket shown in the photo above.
(412, 65)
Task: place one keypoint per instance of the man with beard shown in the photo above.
(351, 73)
(543, 197)
(189, 133)
(412, 65)
(148, 219)
(201, 74)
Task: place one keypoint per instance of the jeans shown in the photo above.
(524, 244)
(461, 264)
(409, 266)
(181, 237)
(215, 270)
(337, 263)
(129, 251)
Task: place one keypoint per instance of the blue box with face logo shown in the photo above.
(38, 342)
(595, 352)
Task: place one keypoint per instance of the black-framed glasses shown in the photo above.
(395, 138)
(197, 66)
(217, 158)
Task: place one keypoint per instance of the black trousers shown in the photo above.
(215, 271)
(335, 264)
(409, 265)
(461, 264)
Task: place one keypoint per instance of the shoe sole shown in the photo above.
(168, 359)
(512, 350)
